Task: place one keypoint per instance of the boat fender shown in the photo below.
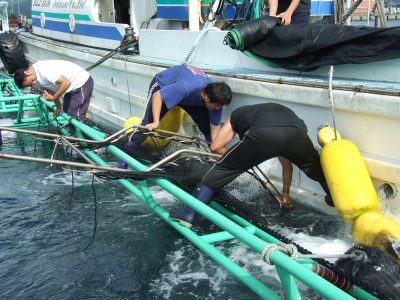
(347, 177)
(11, 52)
(131, 121)
(376, 230)
(326, 135)
(171, 122)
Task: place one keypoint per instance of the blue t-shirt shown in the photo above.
(181, 85)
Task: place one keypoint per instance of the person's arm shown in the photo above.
(287, 15)
(224, 136)
(63, 85)
(215, 129)
(156, 105)
(287, 171)
(273, 7)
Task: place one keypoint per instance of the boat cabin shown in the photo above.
(102, 23)
(3, 17)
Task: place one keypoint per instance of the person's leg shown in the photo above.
(201, 118)
(137, 136)
(66, 102)
(248, 152)
(287, 171)
(78, 101)
(301, 152)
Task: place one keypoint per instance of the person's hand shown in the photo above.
(57, 112)
(286, 18)
(152, 126)
(286, 201)
(47, 96)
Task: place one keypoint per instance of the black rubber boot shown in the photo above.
(328, 197)
(186, 217)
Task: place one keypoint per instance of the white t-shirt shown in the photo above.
(49, 71)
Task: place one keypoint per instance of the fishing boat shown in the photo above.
(366, 95)
(125, 45)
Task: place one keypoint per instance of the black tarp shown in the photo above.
(309, 46)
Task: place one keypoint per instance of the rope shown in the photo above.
(291, 251)
(332, 99)
(95, 216)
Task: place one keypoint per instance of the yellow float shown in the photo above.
(347, 176)
(377, 230)
(353, 194)
(170, 122)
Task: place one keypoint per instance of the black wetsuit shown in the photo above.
(266, 130)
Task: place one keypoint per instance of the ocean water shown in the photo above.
(135, 255)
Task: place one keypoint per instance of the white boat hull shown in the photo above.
(366, 110)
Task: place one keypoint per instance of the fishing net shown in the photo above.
(249, 197)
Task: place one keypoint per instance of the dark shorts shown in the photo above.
(76, 102)
(261, 144)
(300, 18)
(199, 115)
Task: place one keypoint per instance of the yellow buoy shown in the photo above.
(348, 180)
(131, 121)
(376, 230)
(170, 122)
(326, 135)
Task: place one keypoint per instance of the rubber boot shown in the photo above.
(328, 197)
(186, 217)
(130, 146)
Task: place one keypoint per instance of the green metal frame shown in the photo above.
(232, 226)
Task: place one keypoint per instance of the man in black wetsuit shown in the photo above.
(266, 131)
(291, 11)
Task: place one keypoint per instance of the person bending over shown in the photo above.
(60, 77)
(266, 131)
(191, 89)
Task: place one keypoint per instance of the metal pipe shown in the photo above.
(62, 162)
(278, 258)
(320, 285)
(20, 98)
(77, 150)
(177, 153)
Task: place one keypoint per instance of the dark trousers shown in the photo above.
(300, 18)
(263, 143)
(199, 115)
(76, 102)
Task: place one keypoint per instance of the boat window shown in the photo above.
(106, 11)
(122, 11)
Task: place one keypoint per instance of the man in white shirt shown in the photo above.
(60, 77)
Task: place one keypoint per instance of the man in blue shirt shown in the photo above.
(189, 88)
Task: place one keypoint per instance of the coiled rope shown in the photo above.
(291, 251)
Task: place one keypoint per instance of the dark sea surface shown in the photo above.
(135, 255)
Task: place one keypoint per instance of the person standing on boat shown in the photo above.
(191, 89)
(60, 77)
(291, 11)
(266, 131)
